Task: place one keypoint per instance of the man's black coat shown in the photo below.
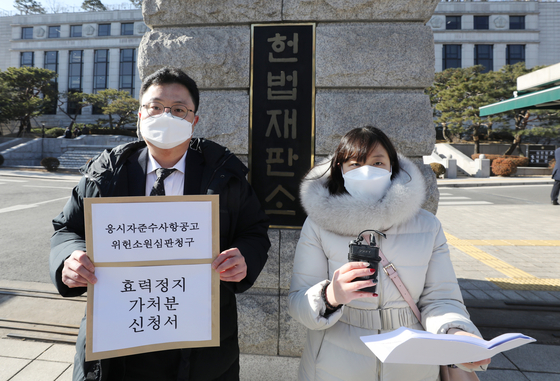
(209, 169)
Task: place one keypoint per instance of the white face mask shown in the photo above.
(166, 132)
(367, 182)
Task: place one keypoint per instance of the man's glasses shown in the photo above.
(156, 109)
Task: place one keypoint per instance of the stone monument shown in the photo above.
(373, 60)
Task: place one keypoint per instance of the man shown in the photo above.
(556, 177)
(167, 116)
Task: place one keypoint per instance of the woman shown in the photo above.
(366, 185)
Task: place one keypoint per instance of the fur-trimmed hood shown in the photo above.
(347, 215)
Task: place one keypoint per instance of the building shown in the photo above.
(90, 51)
(496, 33)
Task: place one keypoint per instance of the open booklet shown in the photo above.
(409, 346)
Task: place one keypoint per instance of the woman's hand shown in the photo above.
(469, 365)
(342, 290)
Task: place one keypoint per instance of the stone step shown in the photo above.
(77, 158)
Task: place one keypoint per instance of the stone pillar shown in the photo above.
(374, 58)
(114, 59)
(87, 77)
(39, 59)
(63, 58)
(438, 50)
(467, 54)
(499, 56)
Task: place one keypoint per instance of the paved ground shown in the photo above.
(501, 254)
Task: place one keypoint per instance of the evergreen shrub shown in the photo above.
(50, 163)
(438, 169)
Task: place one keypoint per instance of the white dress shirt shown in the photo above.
(174, 184)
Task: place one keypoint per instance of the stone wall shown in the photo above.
(373, 61)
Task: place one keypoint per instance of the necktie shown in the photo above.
(159, 189)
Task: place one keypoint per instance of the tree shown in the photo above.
(137, 3)
(54, 6)
(28, 7)
(29, 91)
(71, 103)
(5, 100)
(441, 80)
(125, 108)
(93, 5)
(458, 94)
(120, 103)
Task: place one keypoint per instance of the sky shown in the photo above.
(8, 5)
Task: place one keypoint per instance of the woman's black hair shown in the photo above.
(357, 144)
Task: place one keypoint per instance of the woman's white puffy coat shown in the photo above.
(415, 244)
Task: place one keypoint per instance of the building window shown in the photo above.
(51, 63)
(127, 29)
(74, 77)
(100, 74)
(484, 55)
(481, 22)
(54, 31)
(451, 56)
(516, 22)
(126, 73)
(515, 54)
(104, 30)
(453, 22)
(76, 31)
(26, 59)
(27, 33)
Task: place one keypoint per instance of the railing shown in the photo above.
(476, 168)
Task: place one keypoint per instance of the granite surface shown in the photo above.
(223, 118)
(216, 57)
(355, 55)
(192, 12)
(328, 10)
(405, 116)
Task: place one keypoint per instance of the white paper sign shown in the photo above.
(409, 346)
(137, 306)
(156, 289)
(136, 231)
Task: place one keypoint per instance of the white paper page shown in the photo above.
(125, 232)
(127, 307)
(407, 346)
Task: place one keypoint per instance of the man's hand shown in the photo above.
(469, 365)
(78, 270)
(231, 266)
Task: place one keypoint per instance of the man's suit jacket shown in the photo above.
(209, 169)
(137, 169)
(556, 170)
